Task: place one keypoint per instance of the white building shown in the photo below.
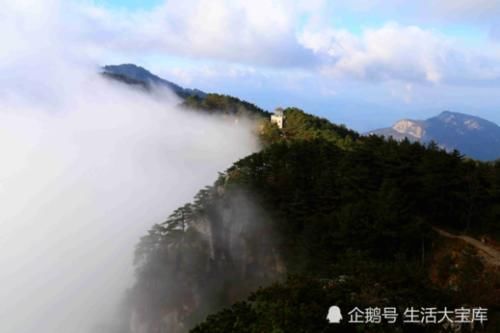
(278, 117)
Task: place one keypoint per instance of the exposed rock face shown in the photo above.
(415, 129)
(226, 251)
(473, 136)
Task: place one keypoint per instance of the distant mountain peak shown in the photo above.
(468, 122)
(131, 73)
(471, 135)
(128, 66)
(134, 72)
(449, 113)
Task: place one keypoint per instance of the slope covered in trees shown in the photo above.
(347, 218)
(227, 105)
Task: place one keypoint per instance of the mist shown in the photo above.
(88, 166)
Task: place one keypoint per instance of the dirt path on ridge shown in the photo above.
(490, 254)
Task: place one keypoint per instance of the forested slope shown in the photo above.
(329, 217)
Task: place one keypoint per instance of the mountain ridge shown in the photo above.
(193, 99)
(472, 136)
(133, 74)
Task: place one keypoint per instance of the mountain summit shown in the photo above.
(133, 74)
(471, 135)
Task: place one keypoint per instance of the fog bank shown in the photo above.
(88, 165)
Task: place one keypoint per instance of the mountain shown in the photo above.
(192, 99)
(320, 216)
(473, 136)
(136, 75)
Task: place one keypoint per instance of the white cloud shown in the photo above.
(257, 32)
(279, 34)
(402, 53)
(466, 9)
(423, 10)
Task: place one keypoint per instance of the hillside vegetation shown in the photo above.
(224, 104)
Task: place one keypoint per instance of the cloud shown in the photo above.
(258, 32)
(471, 11)
(87, 167)
(475, 10)
(280, 35)
(401, 53)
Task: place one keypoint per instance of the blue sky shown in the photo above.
(365, 63)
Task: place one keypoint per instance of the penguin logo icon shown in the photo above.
(334, 315)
